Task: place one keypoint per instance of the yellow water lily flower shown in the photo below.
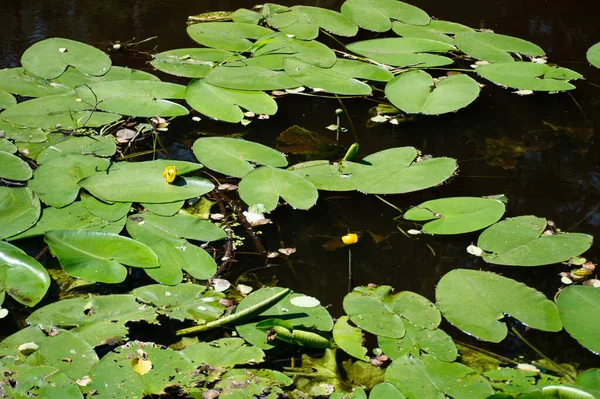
(169, 174)
(350, 239)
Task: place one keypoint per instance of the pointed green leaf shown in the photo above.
(528, 76)
(447, 27)
(49, 58)
(190, 62)
(361, 70)
(403, 51)
(232, 36)
(325, 79)
(349, 339)
(6, 99)
(233, 156)
(577, 306)
(423, 32)
(329, 20)
(96, 256)
(493, 47)
(13, 167)
(417, 92)
(19, 210)
(21, 276)
(476, 301)
(266, 184)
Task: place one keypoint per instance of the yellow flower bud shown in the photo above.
(350, 239)
(169, 174)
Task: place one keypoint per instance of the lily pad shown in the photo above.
(529, 76)
(457, 215)
(417, 340)
(164, 209)
(22, 135)
(233, 156)
(96, 256)
(476, 301)
(361, 70)
(380, 312)
(109, 212)
(452, 28)
(190, 62)
(521, 241)
(224, 352)
(7, 146)
(232, 36)
(250, 78)
(417, 92)
(326, 79)
(593, 55)
(99, 146)
(423, 32)
(493, 47)
(293, 23)
(309, 51)
(49, 58)
(6, 99)
(349, 339)
(143, 182)
(39, 381)
(19, 210)
(325, 175)
(375, 15)
(266, 184)
(22, 277)
(183, 226)
(577, 305)
(224, 104)
(329, 20)
(429, 378)
(14, 168)
(403, 51)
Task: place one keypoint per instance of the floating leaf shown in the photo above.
(190, 62)
(476, 301)
(22, 135)
(329, 20)
(429, 378)
(493, 47)
(19, 210)
(521, 241)
(97, 320)
(423, 32)
(593, 55)
(224, 352)
(576, 305)
(22, 277)
(349, 339)
(375, 15)
(380, 312)
(361, 70)
(6, 99)
(293, 23)
(266, 184)
(452, 28)
(385, 390)
(55, 181)
(49, 58)
(183, 226)
(109, 212)
(309, 51)
(143, 182)
(96, 256)
(38, 381)
(224, 104)
(250, 78)
(62, 111)
(7, 146)
(246, 16)
(13, 167)
(99, 146)
(18, 81)
(134, 97)
(325, 79)
(325, 175)
(456, 215)
(232, 36)
(164, 209)
(416, 340)
(403, 51)
(417, 92)
(233, 156)
(528, 76)
(73, 216)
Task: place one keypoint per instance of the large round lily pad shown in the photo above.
(578, 306)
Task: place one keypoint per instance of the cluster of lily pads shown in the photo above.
(61, 180)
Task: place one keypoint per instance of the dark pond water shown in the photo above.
(558, 176)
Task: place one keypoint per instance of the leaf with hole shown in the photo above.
(493, 47)
(403, 51)
(476, 301)
(529, 76)
(456, 215)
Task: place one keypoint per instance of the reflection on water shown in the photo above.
(554, 174)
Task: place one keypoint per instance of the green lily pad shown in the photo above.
(164, 209)
(49, 58)
(190, 62)
(385, 390)
(232, 36)
(182, 226)
(143, 182)
(99, 146)
(324, 175)
(325, 79)
(73, 216)
(224, 104)
(246, 16)
(266, 184)
(329, 20)
(521, 241)
(361, 70)
(97, 320)
(18, 81)
(21, 134)
(19, 210)
(493, 47)
(593, 55)
(293, 23)
(380, 312)
(313, 318)
(309, 51)
(6, 99)
(403, 51)
(577, 305)
(417, 340)
(349, 339)
(62, 111)
(476, 301)
(452, 28)
(224, 352)
(55, 181)
(457, 215)
(13, 167)
(429, 378)
(109, 212)
(22, 277)
(7, 146)
(589, 380)
(375, 15)
(184, 301)
(96, 256)
(144, 98)
(250, 78)
(39, 381)
(417, 92)
(528, 76)
(422, 32)
(232, 157)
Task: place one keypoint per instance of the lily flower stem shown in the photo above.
(349, 269)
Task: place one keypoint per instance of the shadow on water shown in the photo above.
(540, 150)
